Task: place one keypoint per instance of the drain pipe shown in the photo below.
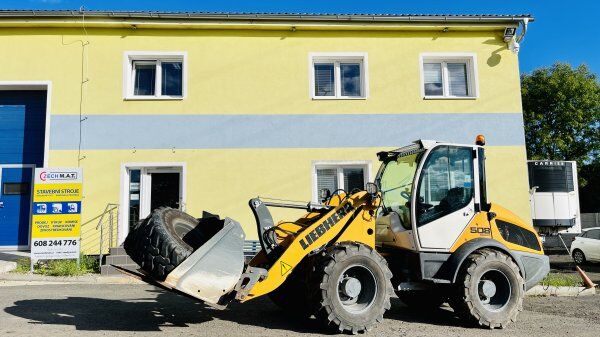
(514, 42)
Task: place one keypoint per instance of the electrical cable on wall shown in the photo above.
(84, 71)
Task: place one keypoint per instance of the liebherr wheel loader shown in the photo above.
(424, 230)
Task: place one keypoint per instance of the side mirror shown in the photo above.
(372, 189)
(324, 195)
(491, 216)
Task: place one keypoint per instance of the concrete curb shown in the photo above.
(32, 279)
(540, 290)
(7, 266)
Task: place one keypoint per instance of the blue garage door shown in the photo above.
(22, 127)
(15, 205)
(22, 131)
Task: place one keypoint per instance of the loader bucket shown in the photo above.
(211, 272)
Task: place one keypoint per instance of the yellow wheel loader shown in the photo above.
(424, 230)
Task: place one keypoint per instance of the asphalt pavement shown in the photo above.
(140, 310)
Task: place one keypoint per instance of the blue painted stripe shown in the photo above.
(101, 132)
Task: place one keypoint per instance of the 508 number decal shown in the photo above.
(480, 230)
(50, 243)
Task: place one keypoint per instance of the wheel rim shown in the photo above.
(494, 290)
(357, 288)
(578, 256)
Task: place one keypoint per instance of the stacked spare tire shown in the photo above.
(162, 241)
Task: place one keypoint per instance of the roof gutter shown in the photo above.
(187, 19)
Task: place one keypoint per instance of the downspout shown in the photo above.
(514, 42)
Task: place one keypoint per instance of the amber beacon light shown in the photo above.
(480, 140)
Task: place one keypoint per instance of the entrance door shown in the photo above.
(164, 190)
(15, 204)
(446, 196)
(151, 188)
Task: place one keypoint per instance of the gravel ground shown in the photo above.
(128, 310)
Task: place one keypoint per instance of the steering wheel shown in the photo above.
(405, 195)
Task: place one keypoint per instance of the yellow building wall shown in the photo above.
(222, 181)
(255, 72)
(234, 72)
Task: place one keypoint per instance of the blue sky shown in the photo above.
(563, 30)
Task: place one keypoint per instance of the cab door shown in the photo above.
(444, 202)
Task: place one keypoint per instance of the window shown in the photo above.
(396, 184)
(15, 188)
(446, 183)
(336, 176)
(154, 75)
(338, 76)
(450, 76)
(592, 234)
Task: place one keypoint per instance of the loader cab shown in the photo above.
(430, 192)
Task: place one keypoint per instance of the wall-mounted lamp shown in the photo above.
(509, 33)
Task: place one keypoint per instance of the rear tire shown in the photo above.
(164, 239)
(353, 288)
(579, 257)
(490, 290)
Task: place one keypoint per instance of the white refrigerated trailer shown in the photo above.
(554, 198)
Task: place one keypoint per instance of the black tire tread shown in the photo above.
(324, 312)
(152, 246)
(463, 301)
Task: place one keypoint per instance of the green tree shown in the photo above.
(561, 109)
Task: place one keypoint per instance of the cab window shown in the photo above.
(446, 183)
(396, 184)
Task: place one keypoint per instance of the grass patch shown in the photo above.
(88, 265)
(562, 280)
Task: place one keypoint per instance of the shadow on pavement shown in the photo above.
(442, 316)
(165, 309)
(152, 313)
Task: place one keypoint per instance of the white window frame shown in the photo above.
(339, 165)
(152, 58)
(145, 168)
(444, 58)
(336, 59)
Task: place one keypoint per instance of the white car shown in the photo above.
(586, 246)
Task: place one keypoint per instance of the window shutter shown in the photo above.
(354, 178)
(327, 178)
(432, 76)
(457, 72)
(145, 76)
(324, 79)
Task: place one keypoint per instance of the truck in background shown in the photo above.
(554, 198)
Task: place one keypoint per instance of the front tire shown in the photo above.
(579, 257)
(353, 288)
(490, 290)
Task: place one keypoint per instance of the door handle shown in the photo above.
(1, 204)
